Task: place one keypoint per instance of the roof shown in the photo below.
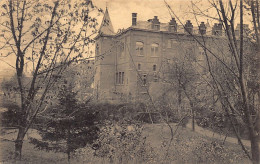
(106, 25)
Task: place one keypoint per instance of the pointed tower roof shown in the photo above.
(106, 25)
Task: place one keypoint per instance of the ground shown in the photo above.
(186, 146)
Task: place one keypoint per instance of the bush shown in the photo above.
(70, 125)
(127, 112)
(220, 123)
(123, 143)
(9, 118)
(192, 148)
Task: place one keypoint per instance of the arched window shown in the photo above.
(154, 49)
(120, 78)
(139, 48)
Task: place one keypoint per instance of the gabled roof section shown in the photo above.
(106, 27)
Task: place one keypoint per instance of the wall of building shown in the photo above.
(171, 48)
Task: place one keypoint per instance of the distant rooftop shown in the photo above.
(154, 24)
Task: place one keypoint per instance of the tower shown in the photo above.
(104, 58)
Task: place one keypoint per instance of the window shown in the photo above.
(201, 54)
(169, 61)
(123, 77)
(201, 51)
(172, 28)
(155, 78)
(154, 67)
(139, 48)
(154, 49)
(117, 78)
(157, 26)
(144, 78)
(139, 67)
(120, 78)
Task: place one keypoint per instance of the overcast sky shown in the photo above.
(120, 10)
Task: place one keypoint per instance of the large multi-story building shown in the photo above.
(134, 61)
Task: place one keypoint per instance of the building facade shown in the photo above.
(132, 64)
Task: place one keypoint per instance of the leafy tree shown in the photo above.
(46, 36)
(69, 127)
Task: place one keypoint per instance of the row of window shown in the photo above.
(120, 78)
(145, 81)
(139, 47)
(139, 67)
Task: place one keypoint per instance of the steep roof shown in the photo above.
(106, 25)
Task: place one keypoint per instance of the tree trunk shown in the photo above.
(192, 115)
(68, 153)
(193, 120)
(19, 143)
(254, 147)
(68, 145)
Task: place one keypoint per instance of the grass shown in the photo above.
(186, 147)
(29, 154)
(192, 147)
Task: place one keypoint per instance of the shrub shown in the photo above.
(68, 127)
(197, 149)
(219, 122)
(9, 117)
(123, 143)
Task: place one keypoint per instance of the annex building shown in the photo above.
(135, 61)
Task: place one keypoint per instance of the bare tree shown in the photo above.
(231, 71)
(47, 36)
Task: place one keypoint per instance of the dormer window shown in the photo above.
(156, 27)
(139, 48)
(172, 28)
(155, 23)
(188, 27)
(173, 25)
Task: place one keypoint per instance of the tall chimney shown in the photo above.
(134, 18)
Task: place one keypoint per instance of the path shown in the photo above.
(215, 135)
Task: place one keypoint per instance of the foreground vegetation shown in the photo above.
(151, 146)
